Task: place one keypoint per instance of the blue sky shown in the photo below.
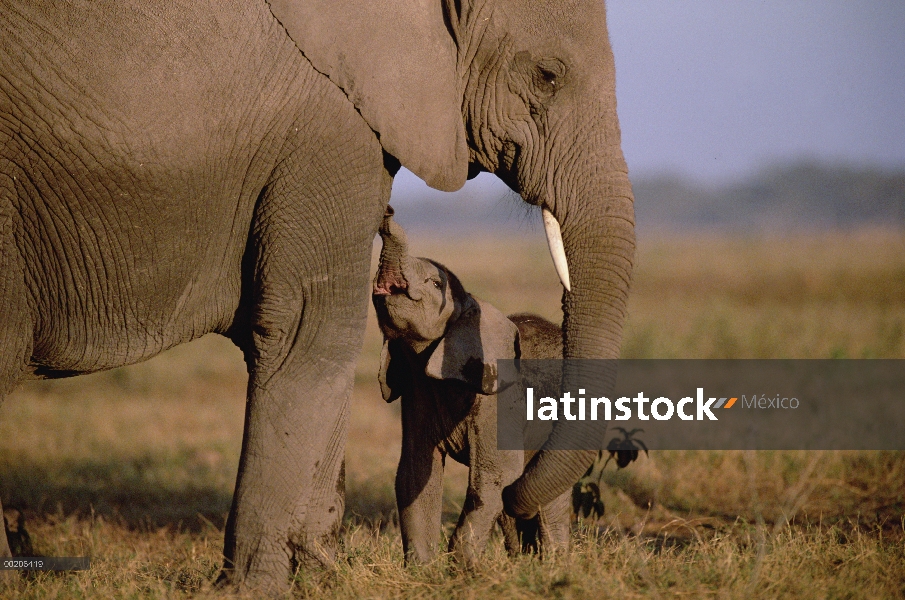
(713, 89)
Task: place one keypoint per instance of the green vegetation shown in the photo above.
(135, 467)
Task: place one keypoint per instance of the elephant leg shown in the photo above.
(304, 302)
(510, 533)
(555, 524)
(491, 470)
(483, 505)
(419, 498)
(529, 534)
(549, 529)
(5, 551)
(288, 501)
(315, 539)
(478, 515)
(15, 324)
(6, 577)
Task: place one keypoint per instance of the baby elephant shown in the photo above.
(439, 355)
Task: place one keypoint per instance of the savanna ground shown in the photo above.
(135, 467)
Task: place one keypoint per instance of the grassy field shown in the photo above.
(135, 467)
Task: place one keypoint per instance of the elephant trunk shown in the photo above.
(599, 242)
(390, 277)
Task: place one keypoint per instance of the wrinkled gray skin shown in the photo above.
(440, 350)
(174, 168)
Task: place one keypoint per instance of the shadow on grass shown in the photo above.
(371, 502)
(164, 490)
(143, 492)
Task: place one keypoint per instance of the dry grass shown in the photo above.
(135, 467)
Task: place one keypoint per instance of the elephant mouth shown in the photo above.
(387, 305)
(390, 303)
(390, 310)
(389, 286)
(383, 311)
(390, 281)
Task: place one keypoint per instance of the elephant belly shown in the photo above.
(111, 281)
(133, 163)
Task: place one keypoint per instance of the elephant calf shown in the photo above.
(440, 349)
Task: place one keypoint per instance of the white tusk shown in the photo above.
(557, 252)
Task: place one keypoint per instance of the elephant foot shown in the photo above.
(468, 542)
(263, 586)
(252, 569)
(19, 542)
(14, 538)
(465, 557)
(529, 534)
(312, 554)
(509, 527)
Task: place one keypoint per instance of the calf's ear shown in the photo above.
(471, 346)
(394, 374)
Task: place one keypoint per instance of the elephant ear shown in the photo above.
(396, 61)
(394, 375)
(471, 346)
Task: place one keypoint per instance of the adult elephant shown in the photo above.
(173, 168)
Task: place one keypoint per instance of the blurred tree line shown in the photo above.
(780, 197)
(805, 194)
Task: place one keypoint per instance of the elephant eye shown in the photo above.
(436, 283)
(549, 75)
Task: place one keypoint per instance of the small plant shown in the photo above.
(626, 449)
(586, 499)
